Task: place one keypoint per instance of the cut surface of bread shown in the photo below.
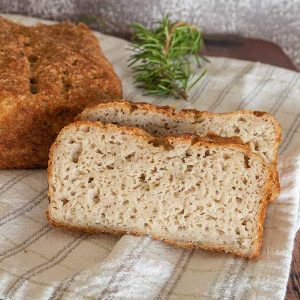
(259, 129)
(187, 191)
(48, 74)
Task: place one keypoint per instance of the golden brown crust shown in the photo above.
(232, 143)
(48, 74)
(211, 139)
(194, 115)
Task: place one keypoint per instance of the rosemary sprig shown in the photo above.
(162, 55)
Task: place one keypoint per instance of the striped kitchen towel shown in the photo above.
(40, 262)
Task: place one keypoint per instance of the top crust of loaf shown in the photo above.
(165, 142)
(189, 114)
(48, 74)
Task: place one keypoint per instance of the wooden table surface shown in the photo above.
(270, 53)
(247, 49)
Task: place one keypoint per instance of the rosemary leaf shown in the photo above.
(161, 58)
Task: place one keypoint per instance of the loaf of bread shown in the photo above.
(259, 129)
(187, 191)
(48, 74)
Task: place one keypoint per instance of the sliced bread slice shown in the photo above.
(187, 191)
(259, 129)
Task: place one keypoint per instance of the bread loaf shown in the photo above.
(259, 129)
(48, 74)
(187, 191)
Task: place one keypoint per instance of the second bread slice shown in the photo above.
(259, 129)
(187, 191)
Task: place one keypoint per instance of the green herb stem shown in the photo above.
(161, 59)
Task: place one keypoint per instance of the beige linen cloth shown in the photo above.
(40, 262)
